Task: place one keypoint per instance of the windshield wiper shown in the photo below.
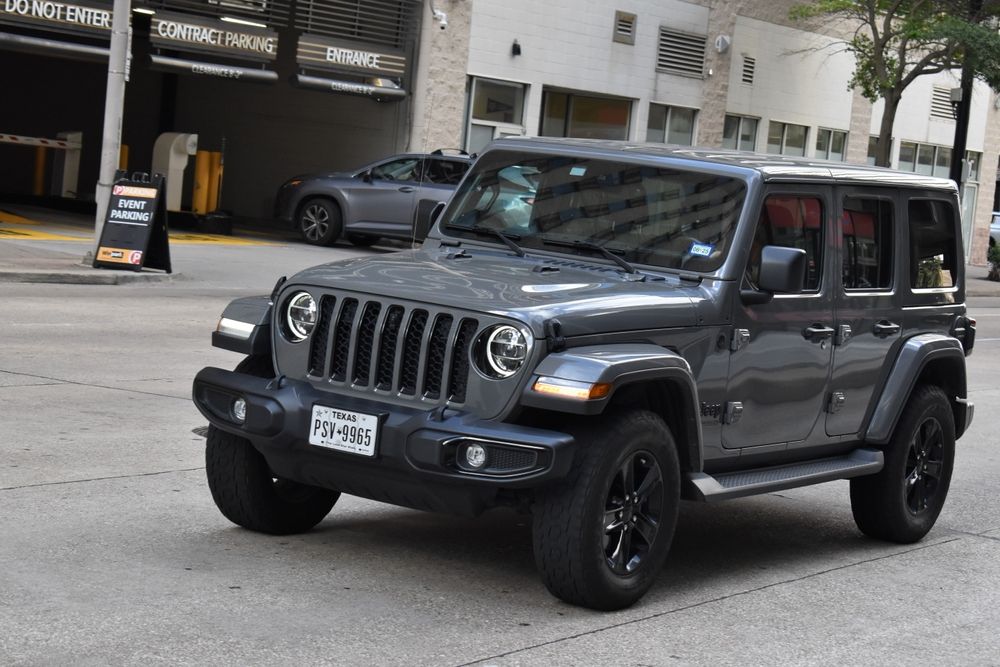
(508, 239)
(594, 247)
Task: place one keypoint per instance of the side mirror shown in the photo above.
(366, 176)
(428, 211)
(782, 270)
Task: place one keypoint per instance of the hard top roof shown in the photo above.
(770, 167)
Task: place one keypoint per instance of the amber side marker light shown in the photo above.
(581, 391)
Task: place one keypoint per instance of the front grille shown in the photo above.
(385, 347)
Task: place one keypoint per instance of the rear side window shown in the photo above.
(866, 229)
(445, 172)
(933, 243)
(792, 221)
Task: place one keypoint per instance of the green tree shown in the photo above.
(896, 41)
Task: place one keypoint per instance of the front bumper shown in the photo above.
(415, 459)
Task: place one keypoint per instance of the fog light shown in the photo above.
(475, 456)
(239, 410)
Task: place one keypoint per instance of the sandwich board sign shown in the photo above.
(135, 225)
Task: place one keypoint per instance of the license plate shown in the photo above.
(343, 430)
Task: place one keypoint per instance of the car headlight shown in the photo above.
(500, 351)
(300, 316)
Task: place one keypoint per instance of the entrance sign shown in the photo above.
(339, 55)
(135, 230)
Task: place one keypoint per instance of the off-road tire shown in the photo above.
(319, 221)
(245, 490)
(363, 240)
(899, 504)
(570, 522)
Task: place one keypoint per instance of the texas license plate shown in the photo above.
(343, 430)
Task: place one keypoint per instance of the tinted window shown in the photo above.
(649, 215)
(866, 229)
(404, 169)
(445, 172)
(933, 245)
(792, 222)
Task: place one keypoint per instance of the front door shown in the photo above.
(781, 350)
(386, 200)
(867, 322)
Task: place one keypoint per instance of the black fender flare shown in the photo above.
(621, 365)
(245, 326)
(914, 356)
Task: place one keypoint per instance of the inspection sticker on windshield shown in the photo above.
(701, 249)
(577, 171)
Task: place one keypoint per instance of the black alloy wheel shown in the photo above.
(901, 502)
(632, 513)
(924, 465)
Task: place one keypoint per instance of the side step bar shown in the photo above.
(725, 485)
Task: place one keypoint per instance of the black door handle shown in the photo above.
(885, 328)
(407, 188)
(817, 332)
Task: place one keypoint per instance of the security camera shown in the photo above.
(441, 18)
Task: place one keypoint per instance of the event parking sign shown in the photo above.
(135, 229)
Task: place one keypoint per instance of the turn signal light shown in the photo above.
(581, 391)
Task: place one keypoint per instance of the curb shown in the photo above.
(82, 278)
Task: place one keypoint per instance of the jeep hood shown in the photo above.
(587, 297)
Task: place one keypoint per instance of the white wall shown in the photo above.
(800, 78)
(568, 44)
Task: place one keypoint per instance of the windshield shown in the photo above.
(658, 216)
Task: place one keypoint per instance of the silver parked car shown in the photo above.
(995, 229)
(377, 200)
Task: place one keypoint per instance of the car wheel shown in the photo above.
(902, 502)
(247, 492)
(363, 240)
(602, 534)
(319, 221)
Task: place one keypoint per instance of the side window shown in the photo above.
(397, 170)
(445, 172)
(933, 244)
(792, 221)
(866, 231)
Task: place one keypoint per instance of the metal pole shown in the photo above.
(114, 102)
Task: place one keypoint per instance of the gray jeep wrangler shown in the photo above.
(593, 331)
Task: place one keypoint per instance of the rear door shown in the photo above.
(867, 315)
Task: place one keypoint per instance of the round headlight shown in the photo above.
(300, 315)
(504, 350)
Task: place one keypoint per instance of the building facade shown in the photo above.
(736, 73)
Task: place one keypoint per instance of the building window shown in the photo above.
(671, 125)
(925, 159)
(584, 116)
(872, 146)
(740, 133)
(786, 138)
(496, 109)
(831, 144)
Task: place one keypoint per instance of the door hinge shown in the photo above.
(837, 400)
(741, 337)
(733, 413)
(843, 334)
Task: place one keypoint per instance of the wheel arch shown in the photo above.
(642, 376)
(924, 359)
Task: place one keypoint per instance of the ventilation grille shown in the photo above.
(624, 28)
(387, 22)
(273, 13)
(749, 66)
(681, 53)
(941, 103)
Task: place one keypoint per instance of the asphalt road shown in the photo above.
(112, 552)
